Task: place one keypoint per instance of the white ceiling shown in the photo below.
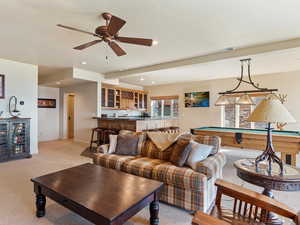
(272, 62)
(183, 28)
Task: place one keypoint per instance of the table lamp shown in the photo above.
(270, 110)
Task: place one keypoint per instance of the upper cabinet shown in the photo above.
(121, 98)
(111, 95)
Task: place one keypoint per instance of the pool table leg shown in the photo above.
(289, 158)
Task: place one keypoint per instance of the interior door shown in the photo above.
(71, 116)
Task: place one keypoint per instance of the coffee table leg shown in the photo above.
(154, 210)
(40, 204)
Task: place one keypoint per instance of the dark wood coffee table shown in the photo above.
(100, 195)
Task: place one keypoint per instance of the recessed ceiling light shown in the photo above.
(142, 78)
(83, 63)
(153, 82)
(58, 83)
(154, 42)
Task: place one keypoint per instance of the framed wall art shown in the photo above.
(46, 103)
(2, 86)
(196, 99)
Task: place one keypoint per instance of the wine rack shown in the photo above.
(14, 139)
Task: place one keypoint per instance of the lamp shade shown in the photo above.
(222, 100)
(271, 110)
(245, 100)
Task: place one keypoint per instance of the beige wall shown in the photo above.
(287, 83)
(85, 107)
(48, 118)
(21, 81)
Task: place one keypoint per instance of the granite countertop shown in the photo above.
(135, 118)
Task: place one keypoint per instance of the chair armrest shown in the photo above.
(202, 218)
(103, 149)
(254, 198)
(212, 166)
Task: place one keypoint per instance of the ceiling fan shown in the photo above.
(110, 34)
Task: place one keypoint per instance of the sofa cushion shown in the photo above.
(127, 145)
(111, 160)
(142, 138)
(142, 166)
(198, 153)
(151, 151)
(180, 152)
(181, 177)
(214, 141)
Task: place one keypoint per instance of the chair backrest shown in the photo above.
(252, 205)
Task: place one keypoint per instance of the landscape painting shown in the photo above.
(46, 103)
(196, 99)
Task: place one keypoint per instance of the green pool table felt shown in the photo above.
(253, 131)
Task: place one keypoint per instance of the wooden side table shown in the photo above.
(289, 181)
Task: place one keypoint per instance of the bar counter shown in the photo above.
(136, 124)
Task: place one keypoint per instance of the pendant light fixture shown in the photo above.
(222, 100)
(245, 98)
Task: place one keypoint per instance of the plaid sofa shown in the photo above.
(183, 187)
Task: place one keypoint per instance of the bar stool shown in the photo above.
(99, 137)
(106, 133)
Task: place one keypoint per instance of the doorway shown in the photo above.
(70, 115)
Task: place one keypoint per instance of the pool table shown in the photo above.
(285, 142)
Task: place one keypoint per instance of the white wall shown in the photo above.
(87, 103)
(287, 83)
(48, 118)
(21, 80)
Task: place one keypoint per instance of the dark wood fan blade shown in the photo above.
(116, 48)
(75, 29)
(86, 45)
(136, 41)
(115, 24)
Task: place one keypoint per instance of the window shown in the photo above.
(237, 115)
(165, 106)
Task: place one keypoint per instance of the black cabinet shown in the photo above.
(14, 139)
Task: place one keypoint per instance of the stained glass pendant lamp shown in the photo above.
(245, 98)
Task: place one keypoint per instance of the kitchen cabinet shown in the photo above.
(111, 97)
(103, 97)
(122, 98)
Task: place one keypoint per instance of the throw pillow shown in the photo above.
(142, 138)
(213, 141)
(180, 153)
(127, 145)
(198, 152)
(112, 143)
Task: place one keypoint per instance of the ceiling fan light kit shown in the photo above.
(109, 33)
(245, 98)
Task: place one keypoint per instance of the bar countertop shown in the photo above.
(135, 118)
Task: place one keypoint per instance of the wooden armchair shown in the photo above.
(248, 208)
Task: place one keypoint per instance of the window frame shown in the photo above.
(163, 99)
(237, 112)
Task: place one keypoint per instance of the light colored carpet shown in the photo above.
(17, 198)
